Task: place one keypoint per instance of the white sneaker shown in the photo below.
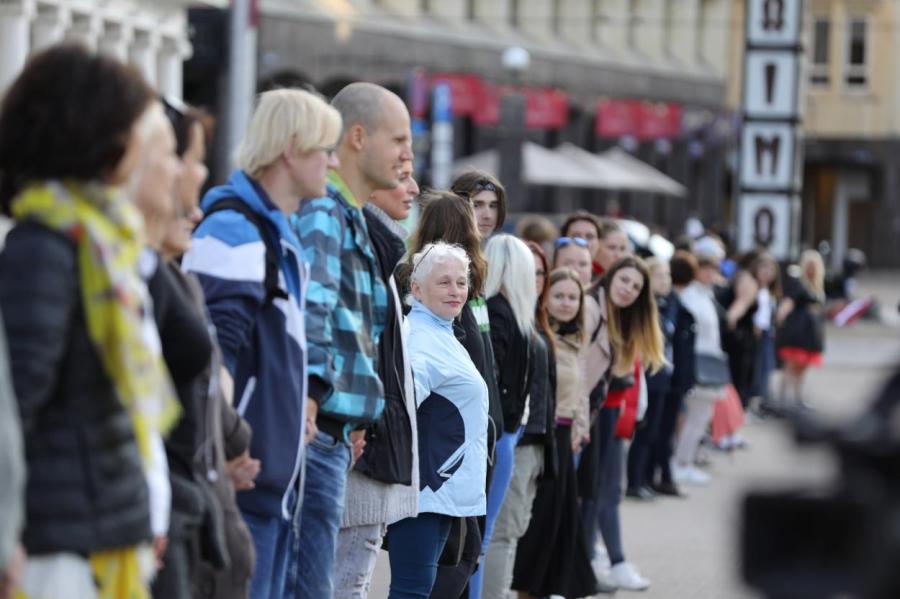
(627, 577)
(689, 475)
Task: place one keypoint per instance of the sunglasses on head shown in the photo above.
(564, 241)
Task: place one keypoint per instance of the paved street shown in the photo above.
(688, 547)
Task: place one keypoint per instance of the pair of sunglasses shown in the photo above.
(564, 241)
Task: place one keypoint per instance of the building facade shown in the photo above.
(851, 127)
(647, 74)
(151, 34)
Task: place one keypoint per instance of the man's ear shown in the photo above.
(357, 137)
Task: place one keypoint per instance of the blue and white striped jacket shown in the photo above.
(263, 344)
(346, 310)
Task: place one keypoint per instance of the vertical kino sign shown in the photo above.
(769, 186)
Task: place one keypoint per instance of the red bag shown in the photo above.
(728, 414)
(628, 416)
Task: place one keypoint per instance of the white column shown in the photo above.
(14, 40)
(48, 28)
(115, 40)
(169, 67)
(143, 54)
(84, 30)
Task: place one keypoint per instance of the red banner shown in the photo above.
(466, 91)
(643, 120)
(545, 108)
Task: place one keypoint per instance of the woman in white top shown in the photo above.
(698, 299)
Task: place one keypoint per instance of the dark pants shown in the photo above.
(663, 446)
(644, 440)
(605, 430)
(415, 546)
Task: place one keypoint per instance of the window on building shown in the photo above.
(856, 73)
(557, 17)
(471, 13)
(819, 65)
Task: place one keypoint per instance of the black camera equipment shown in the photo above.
(841, 540)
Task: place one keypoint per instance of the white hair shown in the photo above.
(511, 272)
(432, 255)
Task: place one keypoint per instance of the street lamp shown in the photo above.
(516, 61)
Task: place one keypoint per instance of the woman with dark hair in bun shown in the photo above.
(88, 375)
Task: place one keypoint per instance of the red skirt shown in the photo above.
(800, 356)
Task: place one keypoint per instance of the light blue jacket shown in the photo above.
(452, 415)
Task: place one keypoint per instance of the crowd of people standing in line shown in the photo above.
(253, 393)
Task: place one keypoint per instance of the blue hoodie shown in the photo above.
(263, 345)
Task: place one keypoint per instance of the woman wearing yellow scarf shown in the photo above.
(91, 386)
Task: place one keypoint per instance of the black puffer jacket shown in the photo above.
(86, 489)
(512, 356)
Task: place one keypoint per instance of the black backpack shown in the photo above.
(273, 250)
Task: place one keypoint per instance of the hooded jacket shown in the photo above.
(228, 257)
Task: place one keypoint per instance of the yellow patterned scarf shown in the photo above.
(107, 233)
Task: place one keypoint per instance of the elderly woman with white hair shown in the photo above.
(452, 407)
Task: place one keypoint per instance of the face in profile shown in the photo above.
(388, 146)
(626, 286)
(309, 170)
(445, 288)
(661, 279)
(564, 300)
(397, 202)
(187, 194)
(155, 177)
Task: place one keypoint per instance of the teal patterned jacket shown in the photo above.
(346, 308)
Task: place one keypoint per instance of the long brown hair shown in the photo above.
(542, 319)
(634, 332)
(564, 273)
(447, 217)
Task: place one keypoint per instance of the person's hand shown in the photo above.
(12, 577)
(312, 410)
(160, 544)
(358, 443)
(579, 441)
(243, 471)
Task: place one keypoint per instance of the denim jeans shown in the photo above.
(275, 543)
(415, 544)
(357, 552)
(590, 507)
(609, 499)
(327, 464)
(644, 440)
(503, 473)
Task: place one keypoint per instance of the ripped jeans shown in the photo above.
(357, 551)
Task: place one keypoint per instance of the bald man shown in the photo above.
(346, 313)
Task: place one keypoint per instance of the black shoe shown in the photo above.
(643, 493)
(669, 489)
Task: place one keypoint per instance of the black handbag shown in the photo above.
(711, 371)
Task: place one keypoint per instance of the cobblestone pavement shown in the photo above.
(688, 547)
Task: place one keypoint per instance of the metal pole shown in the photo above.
(241, 79)
(512, 136)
